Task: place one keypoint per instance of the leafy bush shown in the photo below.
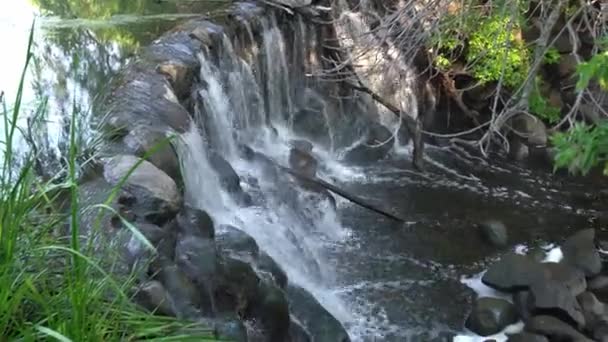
(540, 107)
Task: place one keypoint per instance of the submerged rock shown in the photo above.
(495, 232)
(512, 273)
(579, 251)
(490, 316)
(154, 194)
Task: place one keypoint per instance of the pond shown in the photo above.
(77, 47)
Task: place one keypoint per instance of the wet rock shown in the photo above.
(593, 310)
(229, 179)
(579, 251)
(319, 323)
(491, 315)
(227, 327)
(197, 257)
(495, 232)
(185, 295)
(155, 194)
(195, 222)
(549, 297)
(527, 337)
(532, 130)
(271, 308)
(600, 332)
(297, 333)
(180, 75)
(302, 145)
(142, 140)
(555, 329)
(302, 162)
(598, 283)
(378, 141)
(512, 272)
(265, 263)
(237, 285)
(145, 99)
(520, 301)
(236, 243)
(572, 278)
(153, 296)
(294, 3)
(310, 120)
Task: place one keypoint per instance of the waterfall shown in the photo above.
(237, 107)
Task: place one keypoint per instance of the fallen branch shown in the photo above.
(339, 192)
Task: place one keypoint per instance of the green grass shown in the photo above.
(52, 286)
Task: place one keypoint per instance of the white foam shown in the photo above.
(500, 337)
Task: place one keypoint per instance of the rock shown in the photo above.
(319, 323)
(297, 333)
(236, 243)
(600, 332)
(271, 308)
(155, 194)
(185, 295)
(376, 144)
(532, 130)
(238, 285)
(518, 150)
(572, 278)
(229, 179)
(579, 251)
(180, 75)
(495, 232)
(310, 121)
(521, 303)
(554, 298)
(265, 263)
(145, 99)
(294, 3)
(555, 329)
(227, 327)
(599, 287)
(153, 296)
(195, 222)
(197, 257)
(590, 113)
(302, 145)
(593, 310)
(490, 315)
(302, 162)
(142, 140)
(527, 337)
(512, 273)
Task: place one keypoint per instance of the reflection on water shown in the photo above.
(78, 46)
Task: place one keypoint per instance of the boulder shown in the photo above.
(513, 272)
(572, 278)
(302, 162)
(527, 337)
(180, 75)
(490, 316)
(297, 333)
(153, 296)
(555, 329)
(267, 264)
(195, 222)
(376, 144)
(185, 295)
(579, 251)
(531, 129)
(145, 99)
(141, 140)
(495, 232)
(237, 285)
(593, 310)
(521, 303)
(237, 243)
(270, 307)
(154, 194)
(549, 297)
(319, 323)
(229, 179)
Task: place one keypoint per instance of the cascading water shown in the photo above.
(293, 226)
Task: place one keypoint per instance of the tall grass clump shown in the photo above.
(52, 287)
